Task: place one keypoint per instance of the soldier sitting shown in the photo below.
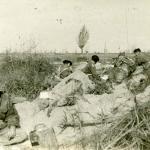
(65, 69)
(90, 68)
(9, 121)
(101, 86)
(142, 60)
(123, 67)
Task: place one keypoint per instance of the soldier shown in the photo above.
(141, 59)
(9, 121)
(90, 68)
(142, 62)
(101, 86)
(123, 67)
(65, 69)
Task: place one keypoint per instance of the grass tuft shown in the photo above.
(25, 75)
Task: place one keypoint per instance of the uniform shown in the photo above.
(100, 85)
(8, 113)
(8, 118)
(64, 72)
(90, 69)
(143, 60)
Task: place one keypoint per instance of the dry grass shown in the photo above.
(131, 131)
(24, 76)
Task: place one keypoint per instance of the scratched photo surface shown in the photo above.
(74, 75)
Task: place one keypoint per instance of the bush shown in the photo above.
(24, 75)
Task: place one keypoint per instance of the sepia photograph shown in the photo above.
(74, 75)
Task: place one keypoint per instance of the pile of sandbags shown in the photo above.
(89, 112)
(78, 76)
(98, 113)
(77, 83)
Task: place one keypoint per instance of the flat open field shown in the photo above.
(74, 57)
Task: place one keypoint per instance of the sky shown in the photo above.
(54, 25)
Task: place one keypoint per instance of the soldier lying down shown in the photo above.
(9, 122)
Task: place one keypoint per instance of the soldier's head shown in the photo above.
(67, 63)
(95, 59)
(137, 51)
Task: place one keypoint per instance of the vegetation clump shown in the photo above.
(25, 75)
(129, 132)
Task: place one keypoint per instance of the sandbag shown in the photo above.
(121, 73)
(81, 66)
(89, 109)
(138, 83)
(76, 83)
(77, 75)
